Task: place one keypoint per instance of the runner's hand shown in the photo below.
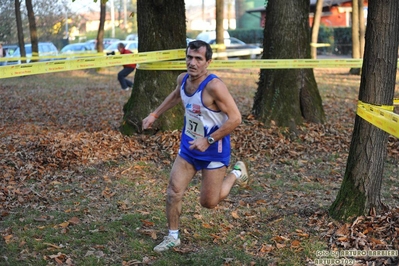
(148, 121)
(200, 144)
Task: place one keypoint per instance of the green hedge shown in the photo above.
(340, 40)
(254, 36)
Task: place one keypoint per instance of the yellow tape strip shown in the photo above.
(261, 63)
(88, 62)
(319, 44)
(379, 117)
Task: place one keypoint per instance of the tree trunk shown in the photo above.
(100, 33)
(287, 96)
(32, 29)
(219, 7)
(355, 35)
(362, 28)
(20, 29)
(360, 190)
(161, 26)
(315, 28)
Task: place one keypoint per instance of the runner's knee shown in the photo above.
(206, 203)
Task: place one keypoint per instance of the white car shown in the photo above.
(129, 45)
(208, 36)
(236, 48)
(47, 49)
(131, 37)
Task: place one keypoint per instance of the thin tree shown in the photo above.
(355, 35)
(287, 96)
(361, 187)
(100, 33)
(315, 28)
(362, 28)
(161, 26)
(20, 30)
(32, 29)
(219, 9)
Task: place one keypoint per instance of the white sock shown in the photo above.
(237, 173)
(174, 233)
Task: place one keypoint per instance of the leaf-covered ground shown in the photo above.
(54, 128)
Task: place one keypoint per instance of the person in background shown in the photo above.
(211, 114)
(2, 53)
(126, 84)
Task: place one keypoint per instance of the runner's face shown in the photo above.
(196, 62)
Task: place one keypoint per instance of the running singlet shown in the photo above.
(199, 121)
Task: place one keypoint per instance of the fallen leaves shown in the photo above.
(60, 259)
(107, 193)
(7, 238)
(365, 233)
(37, 163)
(235, 215)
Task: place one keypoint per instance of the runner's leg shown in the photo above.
(216, 186)
(181, 175)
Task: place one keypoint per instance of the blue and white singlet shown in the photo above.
(200, 121)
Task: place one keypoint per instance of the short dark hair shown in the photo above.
(121, 45)
(195, 45)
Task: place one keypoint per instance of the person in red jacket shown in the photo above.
(127, 69)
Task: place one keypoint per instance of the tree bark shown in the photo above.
(100, 33)
(361, 187)
(287, 96)
(355, 35)
(219, 7)
(161, 26)
(362, 28)
(32, 29)
(315, 28)
(355, 30)
(20, 29)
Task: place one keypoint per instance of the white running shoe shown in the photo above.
(167, 243)
(243, 178)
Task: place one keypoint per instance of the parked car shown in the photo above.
(131, 37)
(188, 40)
(208, 36)
(74, 48)
(9, 49)
(130, 45)
(45, 49)
(106, 43)
(240, 49)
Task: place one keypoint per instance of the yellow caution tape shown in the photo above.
(384, 119)
(260, 63)
(317, 45)
(218, 46)
(88, 62)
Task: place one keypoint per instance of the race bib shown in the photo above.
(194, 127)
